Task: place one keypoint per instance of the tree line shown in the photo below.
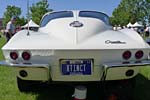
(131, 11)
(36, 11)
(127, 11)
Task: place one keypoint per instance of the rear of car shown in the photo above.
(75, 46)
(77, 65)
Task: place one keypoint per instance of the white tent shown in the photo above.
(30, 24)
(137, 25)
(130, 25)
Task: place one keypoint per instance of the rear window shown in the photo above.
(94, 14)
(55, 15)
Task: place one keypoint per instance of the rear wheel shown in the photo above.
(121, 89)
(27, 86)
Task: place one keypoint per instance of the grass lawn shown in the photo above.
(9, 90)
(8, 87)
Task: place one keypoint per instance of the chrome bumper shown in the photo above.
(142, 63)
(130, 64)
(118, 71)
(4, 63)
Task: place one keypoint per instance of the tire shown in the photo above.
(27, 86)
(120, 89)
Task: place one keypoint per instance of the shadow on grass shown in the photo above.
(142, 88)
(65, 92)
(55, 92)
(99, 91)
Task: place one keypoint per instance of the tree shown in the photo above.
(147, 10)
(21, 21)
(148, 1)
(11, 11)
(129, 11)
(38, 10)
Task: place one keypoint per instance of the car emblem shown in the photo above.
(76, 24)
(114, 42)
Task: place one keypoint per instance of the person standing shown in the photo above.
(147, 31)
(10, 28)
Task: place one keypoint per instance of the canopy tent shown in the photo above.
(30, 24)
(137, 25)
(130, 25)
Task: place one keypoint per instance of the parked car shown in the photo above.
(75, 46)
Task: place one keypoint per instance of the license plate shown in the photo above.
(76, 67)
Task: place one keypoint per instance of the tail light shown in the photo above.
(139, 54)
(26, 55)
(13, 55)
(126, 55)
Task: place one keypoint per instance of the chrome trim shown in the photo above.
(142, 63)
(4, 63)
(130, 64)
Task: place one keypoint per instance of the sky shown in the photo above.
(106, 6)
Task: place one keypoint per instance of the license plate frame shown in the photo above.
(76, 66)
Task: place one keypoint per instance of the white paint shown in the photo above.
(58, 40)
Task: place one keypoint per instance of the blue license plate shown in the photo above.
(76, 67)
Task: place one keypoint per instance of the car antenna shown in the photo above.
(28, 33)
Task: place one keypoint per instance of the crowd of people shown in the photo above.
(143, 31)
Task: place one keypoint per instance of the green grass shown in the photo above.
(142, 89)
(9, 90)
(8, 87)
(2, 42)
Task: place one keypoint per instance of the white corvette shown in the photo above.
(75, 46)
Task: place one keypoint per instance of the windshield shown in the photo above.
(94, 14)
(55, 15)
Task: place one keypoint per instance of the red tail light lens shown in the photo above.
(26, 55)
(139, 54)
(13, 55)
(126, 55)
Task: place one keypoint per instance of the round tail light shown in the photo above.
(13, 55)
(139, 54)
(126, 55)
(26, 55)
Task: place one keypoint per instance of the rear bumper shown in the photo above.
(142, 63)
(4, 63)
(130, 64)
(35, 72)
(107, 71)
(118, 71)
